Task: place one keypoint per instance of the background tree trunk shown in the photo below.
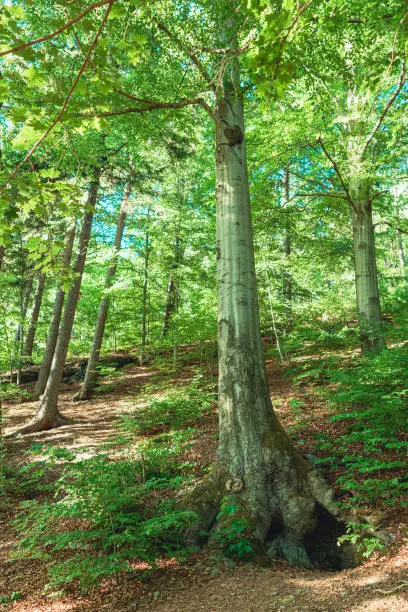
(287, 280)
(2, 251)
(25, 300)
(55, 320)
(368, 300)
(48, 415)
(29, 340)
(401, 252)
(145, 295)
(91, 371)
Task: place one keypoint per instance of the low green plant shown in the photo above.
(232, 534)
(177, 408)
(102, 516)
(7, 599)
(368, 398)
(356, 534)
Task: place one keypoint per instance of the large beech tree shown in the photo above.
(288, 508)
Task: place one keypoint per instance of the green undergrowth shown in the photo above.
(367, 399)
(93, 517)
(175, 408)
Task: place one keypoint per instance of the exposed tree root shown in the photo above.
(301, 528)
(82, 396)
(42, 423)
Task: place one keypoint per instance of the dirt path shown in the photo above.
(380, 585)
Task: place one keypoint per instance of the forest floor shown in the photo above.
(381, 584)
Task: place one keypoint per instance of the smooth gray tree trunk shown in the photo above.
(258, 471)
(55, 320)
(368, 299)
(32, 328)
(48, 415)
(91, 369)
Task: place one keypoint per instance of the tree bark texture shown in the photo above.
(32, 328)
(91, 370)
(48, 415)
(368, 299)
(258, 472)
(55, 320)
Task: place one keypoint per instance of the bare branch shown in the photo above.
(383, 222)
(317, 194)
(60, 30)
(401, 82)
(151, 105)
(199, 65)
(336, 169)
(67, 99)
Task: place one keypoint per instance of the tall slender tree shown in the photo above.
(48, 415)
(32, 328)
(91, 369)
(55, 319)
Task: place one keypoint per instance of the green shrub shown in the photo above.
(102, 516)
(179, 407)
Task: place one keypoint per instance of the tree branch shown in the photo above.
(391, 225)
(151, 105)
(60, 30)
(336, 169)
(323, 195)
(199, 65)
(401, 82)
(67, 99)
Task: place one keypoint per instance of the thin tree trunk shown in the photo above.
(48, 415)
(368, 300)
(24, 306)
(258, 472)
(91, 369)
(30, 336)
(55, 320)
(145, 296)
(173, 284)
(287, 280)
(2, 251)
(401, 252)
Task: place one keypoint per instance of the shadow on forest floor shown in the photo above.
(379, 585)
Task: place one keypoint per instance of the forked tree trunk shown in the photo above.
(48, 415)
(368, 300)
(55, 321)
(91, 369)
(30, 336)
(286, 506)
